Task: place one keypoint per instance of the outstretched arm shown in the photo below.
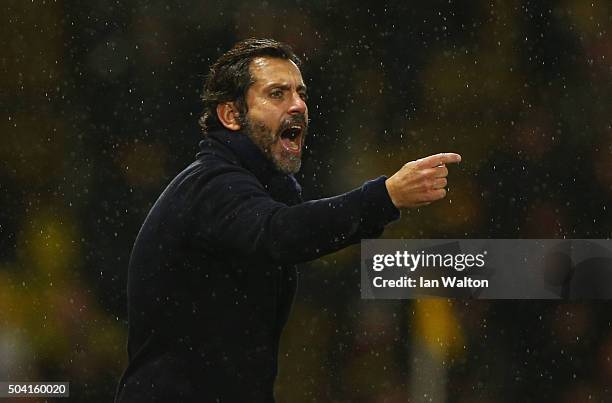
(238, 216)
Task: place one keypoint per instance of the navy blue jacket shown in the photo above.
(212, 274)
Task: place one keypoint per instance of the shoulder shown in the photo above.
(209, 169)
(213, 176)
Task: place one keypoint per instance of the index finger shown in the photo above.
(439, 159)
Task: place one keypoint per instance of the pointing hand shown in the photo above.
(421, 182)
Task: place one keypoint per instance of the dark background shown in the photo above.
(99, 107)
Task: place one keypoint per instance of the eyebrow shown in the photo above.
(285, 86)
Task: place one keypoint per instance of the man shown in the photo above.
(212, 275)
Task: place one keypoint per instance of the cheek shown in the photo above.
(267, 114)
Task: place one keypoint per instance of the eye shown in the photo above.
(277, 94)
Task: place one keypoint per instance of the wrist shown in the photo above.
(391, 191)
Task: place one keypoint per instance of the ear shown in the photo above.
(228, 115)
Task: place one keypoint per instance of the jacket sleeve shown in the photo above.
(235, 215)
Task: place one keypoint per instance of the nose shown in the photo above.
(298, 105)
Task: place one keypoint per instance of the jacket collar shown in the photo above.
(282, 187)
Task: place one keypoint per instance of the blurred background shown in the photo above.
(100, 102)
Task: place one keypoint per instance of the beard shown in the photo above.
(265, 139)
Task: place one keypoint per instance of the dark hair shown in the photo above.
(230, 76)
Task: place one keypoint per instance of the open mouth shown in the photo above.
(291, 139)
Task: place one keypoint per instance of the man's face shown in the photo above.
(277, 117)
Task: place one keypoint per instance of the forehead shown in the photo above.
(268, 70)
